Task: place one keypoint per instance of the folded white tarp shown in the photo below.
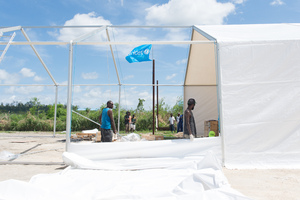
(202, 179)
(179, 148)
(178, 169)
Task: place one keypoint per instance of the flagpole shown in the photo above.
(157, 125)
(153, 98)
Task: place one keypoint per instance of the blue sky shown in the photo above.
(94, 64)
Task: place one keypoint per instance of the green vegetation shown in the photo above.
(34, 116)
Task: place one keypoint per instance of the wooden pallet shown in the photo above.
(86, 136)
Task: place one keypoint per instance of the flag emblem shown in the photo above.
(139, 54)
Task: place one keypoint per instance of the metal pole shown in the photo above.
(117, 72)
(153, 97)
(220, 107)
(119, 111)
(39, 57)
(157, 125)
(55, 110)
(69, 102)
(86, 118)
(7, 46)
(113, 56)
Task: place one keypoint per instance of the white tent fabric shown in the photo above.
(259, 91)
(180, 148)
(179, 173)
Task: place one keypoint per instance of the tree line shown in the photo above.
(34, 116)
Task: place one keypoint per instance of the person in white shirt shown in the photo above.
(171, 120)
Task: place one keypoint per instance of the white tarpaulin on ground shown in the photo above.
(254, 72)
(166, 172)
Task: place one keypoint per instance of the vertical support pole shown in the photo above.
(157, 125)
(219, 100)
(184, 103)
(69, 97)
(119, 111)
(55, 110)
(153, 97)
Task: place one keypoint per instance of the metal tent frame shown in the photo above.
(80, 41)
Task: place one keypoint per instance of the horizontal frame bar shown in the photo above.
(98, 26)
(106, 43)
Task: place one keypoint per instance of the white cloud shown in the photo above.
(170, 77)
(63, 83)
(24, 90)
(177, 35)
(91, 75)
(145, 95)
(77, 89)
(3, 74)
(27, 72)
(93, 93)
(189, 12)
(12, 98)
(128, 77)
(122, 2)
(126, 35)
(277, 3)
(38, 78)
(180, 62)
(93, 97)
(238, 1)
(7, 78)
(91, 18)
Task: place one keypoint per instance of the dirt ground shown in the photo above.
(45, 157)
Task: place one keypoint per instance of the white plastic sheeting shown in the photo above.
(170, 176)
(180, 148)
(95, 130)
(259, 91)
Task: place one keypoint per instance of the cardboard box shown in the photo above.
(159, 137)
(211, 125)
(151, 137)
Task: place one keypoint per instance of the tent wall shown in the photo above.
(260, 103)
(200, 82)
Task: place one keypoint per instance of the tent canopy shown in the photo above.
(255, 70)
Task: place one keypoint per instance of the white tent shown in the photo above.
(250, 76)
(247, 76)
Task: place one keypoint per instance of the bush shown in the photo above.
(60, 125)
(44, 121)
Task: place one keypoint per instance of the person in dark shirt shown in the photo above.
(127, 121)
(132, 125)
(189, 121)
(180, 123)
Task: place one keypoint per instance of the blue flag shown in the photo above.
(139, 54)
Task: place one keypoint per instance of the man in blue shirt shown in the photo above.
(107, 122)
